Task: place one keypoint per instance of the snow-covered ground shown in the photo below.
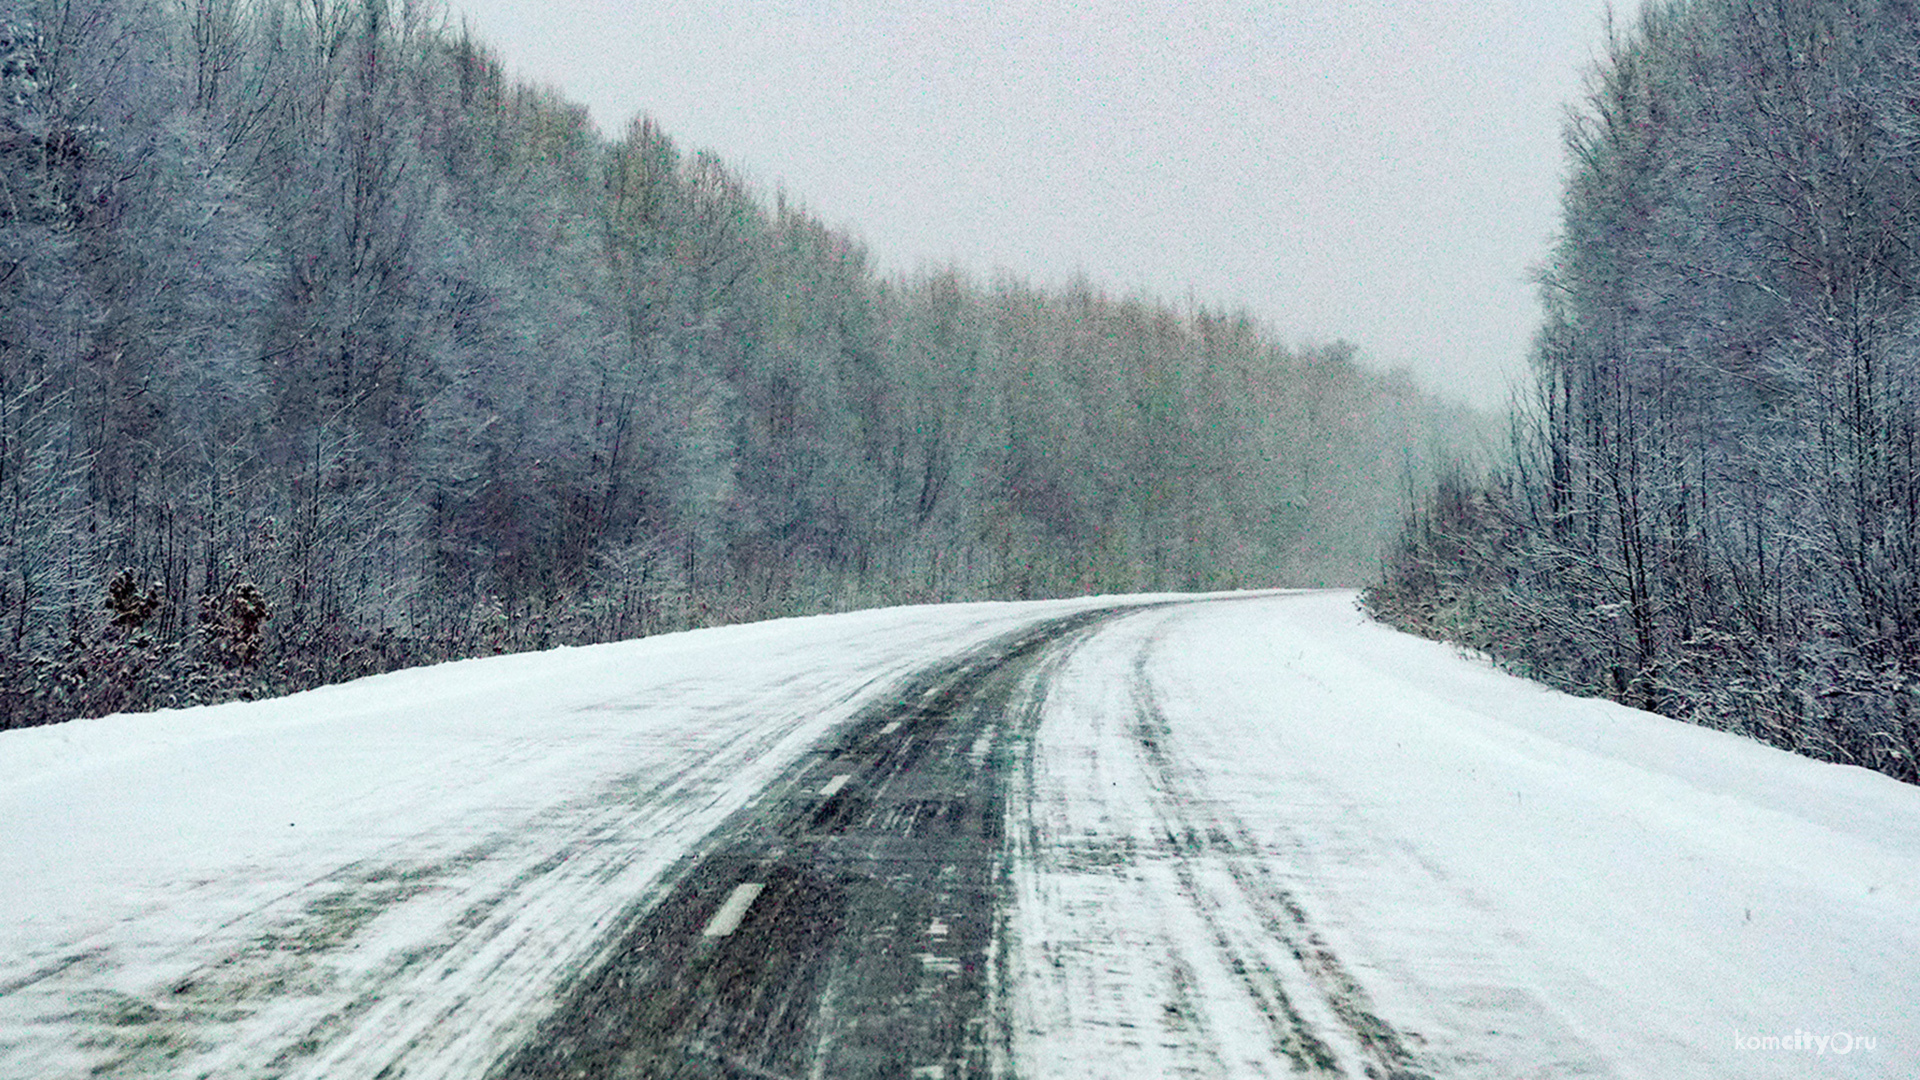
(401, 867)
(1256, 825)
(1253, 834)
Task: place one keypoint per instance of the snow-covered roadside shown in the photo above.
(1270, 834)
(401, 868)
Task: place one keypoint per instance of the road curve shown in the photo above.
(848, 923)
(1243, 837)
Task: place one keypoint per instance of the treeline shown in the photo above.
(326, 348)
(1712, 506)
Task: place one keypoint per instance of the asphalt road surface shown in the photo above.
(849, 923)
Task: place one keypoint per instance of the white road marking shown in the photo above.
(981, 746)
(834, 785)
(892, 726)
(936, 928)
(727, 919)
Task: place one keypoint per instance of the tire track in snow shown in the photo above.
(1382, 1051)
(1470, 991)
(1154, 939)
(1196, 900)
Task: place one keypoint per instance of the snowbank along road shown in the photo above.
(1248, 836)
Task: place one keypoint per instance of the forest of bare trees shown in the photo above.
(1712, 505)
(326, 348)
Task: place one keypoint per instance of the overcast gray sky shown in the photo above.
(1375, 171)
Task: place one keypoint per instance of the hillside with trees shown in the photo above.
(1712, 507)
(327, 348)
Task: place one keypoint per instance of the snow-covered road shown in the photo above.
(1269, 834)
(1247, 837)
(402, 870)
